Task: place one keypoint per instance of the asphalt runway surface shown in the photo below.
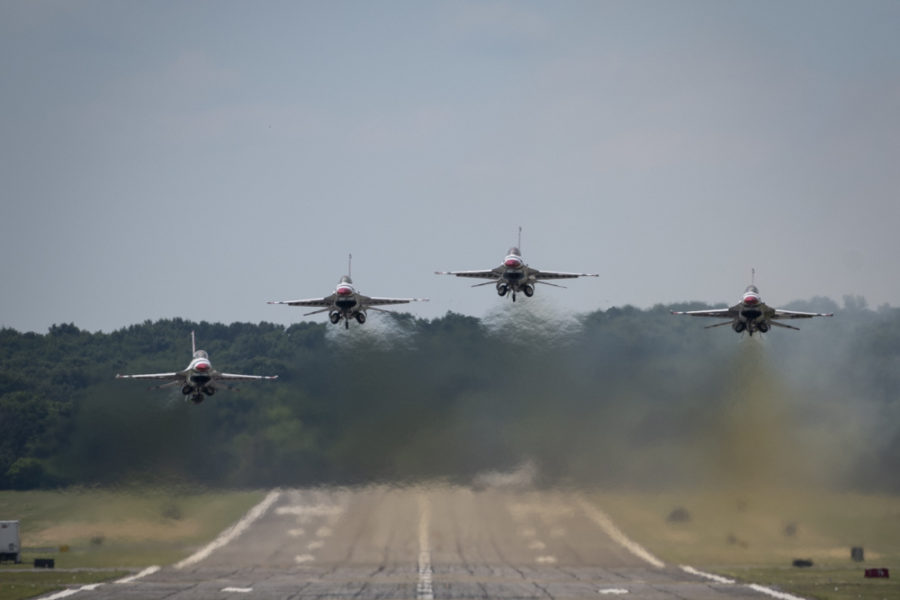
(422, 543)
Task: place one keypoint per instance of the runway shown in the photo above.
(422, 543)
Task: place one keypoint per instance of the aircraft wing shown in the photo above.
(791, 314)
(236, 377)
(719, 313)
(368, 301)
(171, 376)
(326, 301)
(489, 274)
(558, 274)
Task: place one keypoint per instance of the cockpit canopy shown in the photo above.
(514, 250)
(201, 354)
(751, 289)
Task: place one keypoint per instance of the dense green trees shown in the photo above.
(622, 396)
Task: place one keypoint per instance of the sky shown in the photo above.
(196, 159)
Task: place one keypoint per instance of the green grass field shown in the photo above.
(109, 533)
(754, 536)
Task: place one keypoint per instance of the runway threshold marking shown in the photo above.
(605, 523)
(232, 532)
(424, 587)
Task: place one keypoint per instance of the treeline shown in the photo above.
(617, 397)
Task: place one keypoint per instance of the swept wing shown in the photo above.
(326, 301)
(793, 314)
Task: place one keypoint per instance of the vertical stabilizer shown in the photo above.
(753, 276)
(519, 241)
(193, 344)
(350, 265)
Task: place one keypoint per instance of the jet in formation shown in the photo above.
(347, 303)
(199, 379)
(751, 314)
(514, 276)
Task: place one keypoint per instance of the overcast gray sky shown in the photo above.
(174, 159)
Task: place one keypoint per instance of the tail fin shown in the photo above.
(519, 242)
(753, 276)
(193, 344)
(350, 265)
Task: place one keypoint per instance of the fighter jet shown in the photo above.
(514, 276)
(751, 314)
(199, 378)
(347, 303)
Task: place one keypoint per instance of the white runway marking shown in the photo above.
(313, 510)
(304, 558)
(424, 588)
(71, 592)
(537, 545)
(716, 578)
(238, 590)
(616, 591)
(144, 573)
(232, 532)
(753, 586)
(774, 593)
(315, 545)
(546, 560)
(296, 532)
(600, 518)
(323, 531)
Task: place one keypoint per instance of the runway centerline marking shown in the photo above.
(237, 590)
(424, 587)
(232, 532)
(304, 558)
(605, 523)
(616, 591)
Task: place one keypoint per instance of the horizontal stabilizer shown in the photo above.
(719, 324)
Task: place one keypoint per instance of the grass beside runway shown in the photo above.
(755, 535)
(89, 528)
(17, 585)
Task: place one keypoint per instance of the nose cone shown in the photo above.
(513, 262)
(344, 290)
(751, 300)
(203, 367)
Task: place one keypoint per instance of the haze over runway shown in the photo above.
(195, 160)
(425, 543)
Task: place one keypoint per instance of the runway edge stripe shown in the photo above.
(144, 573)
(605, 523)
(232, 532)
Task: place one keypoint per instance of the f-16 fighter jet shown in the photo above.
(199, 379)
(751, 314)
(347, 303)
(514, 276)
